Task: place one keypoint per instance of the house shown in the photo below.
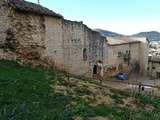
(154, 66)
(123, 52)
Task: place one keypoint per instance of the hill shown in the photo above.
(108, 33)
(36, 93)
(152, 35)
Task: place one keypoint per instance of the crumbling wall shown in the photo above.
(122, 62)
(29, 30)
(5, 52)
(82, 48)
(53, 41)
(3, 22)
(70, 45)
(143, 54)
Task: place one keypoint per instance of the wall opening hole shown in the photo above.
(95, 69)
(84, 54)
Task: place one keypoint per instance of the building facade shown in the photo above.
(40, 34)
(124, 52)
(35, 33)
(154, 66)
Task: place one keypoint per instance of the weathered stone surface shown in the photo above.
(60, 42)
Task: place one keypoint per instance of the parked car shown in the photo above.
(122, 76)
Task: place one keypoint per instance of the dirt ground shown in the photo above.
(123, 85)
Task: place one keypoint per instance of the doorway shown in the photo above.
(95, 69)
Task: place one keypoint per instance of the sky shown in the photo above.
(121, 16)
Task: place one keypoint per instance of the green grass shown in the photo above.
(26, 94)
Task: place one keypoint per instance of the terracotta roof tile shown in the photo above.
(120, 40)
(32, 7)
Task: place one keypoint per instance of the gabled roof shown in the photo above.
(112, 41)
(142, 39)
(23, 5)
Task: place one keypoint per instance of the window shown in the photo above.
(119, 54)
(129, 51)
(85, 54)
(153, 68)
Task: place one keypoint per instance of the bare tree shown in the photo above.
(135, 72)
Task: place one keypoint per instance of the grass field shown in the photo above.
(34, 93)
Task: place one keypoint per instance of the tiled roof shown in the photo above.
(155, 59)
(120, 40)
(32, 7)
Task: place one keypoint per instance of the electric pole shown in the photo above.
(38, 2)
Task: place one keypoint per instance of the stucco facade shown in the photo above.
(143, 54)
(123, 52)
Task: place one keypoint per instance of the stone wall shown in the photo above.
(5, 53)
(29, 30)
(69, 45)
(3, 22)
(153, 69)
(118, 63)
(143, 54)
(53, 40)
(82, 47)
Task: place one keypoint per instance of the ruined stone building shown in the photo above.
(123, 52)
(34, 32)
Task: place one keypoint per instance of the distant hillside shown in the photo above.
(108, 33)
(152, 35)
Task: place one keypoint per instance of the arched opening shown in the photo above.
(98, 69)
(85, 54)
(95, 69)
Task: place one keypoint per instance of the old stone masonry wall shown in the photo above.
(70, 45)
(82, 47)
(29, 30)
(4, 34)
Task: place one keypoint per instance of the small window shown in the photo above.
(119, 54)
(129, 51)
(85, 54)
(148, 68)
(153, 68)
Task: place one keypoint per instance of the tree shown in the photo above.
(135, 72)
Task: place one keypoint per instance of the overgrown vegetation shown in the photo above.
(34, 93)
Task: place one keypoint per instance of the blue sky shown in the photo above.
(121, 16)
